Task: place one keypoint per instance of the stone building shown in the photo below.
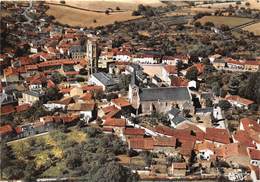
(160, 99)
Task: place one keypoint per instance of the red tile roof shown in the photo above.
(249, 124)
(6, 129)
(186, 147)
(232, 149)
(86, 96)
(134, 131)
(50, 84)
(254, 154)
(165, 141)
(179, 165)
(141, 143)
(115, 122)
(179, 82)
(121, 102)
(244, 138)
(217, 135)
(236, 98)
(92, 88)
(18, 130)
(8, 109)
(170, 69)
(23, 107)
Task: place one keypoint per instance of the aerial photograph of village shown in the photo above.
(130, 90)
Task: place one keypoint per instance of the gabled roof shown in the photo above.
(236, 98)
(170, 69)
(81, 107)
(232, 149)
(141, 143)
(250, 124)
(179, 165)
(104, 78)
(254, 154)
(165, 141)
(134, 131)
(8, 109)
(244, 138)
(164, 94)
(115, 122)
(121, 102)
(205, 146)
(217, 135)
(22, 107)
(6, 129)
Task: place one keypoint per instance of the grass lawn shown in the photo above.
(230, 21)
(75, 17)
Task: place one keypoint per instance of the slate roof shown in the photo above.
(174, 111)
(165, 94)
(178, 119)
(104, 78)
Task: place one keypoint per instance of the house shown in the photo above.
(133, 133)
(254, 155)
(11, 75)
(217, 136)
(145, 59)
(247, 124)
(85, 110)
(141, 144)
(104, 80)
(59, 104)
(233, 153)
(165, 145)
(31, 97)
(167, 72)
(117, 124)
(242, 137)
(6, 131)
(161, 99)
(205, 150)
(178, 169)
(120, 103)
(238, 101)
(252, 128)
(76, 91)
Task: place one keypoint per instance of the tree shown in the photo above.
(224, 105)
(53, 94)
(124, 81)
(224, 28)
(107, 12)
(136, 13)
(117, 8)
(180, 27)
(247, 4)
(197, 24)
(192, 73)
(209, 24)
(113, 171)
(57, 78)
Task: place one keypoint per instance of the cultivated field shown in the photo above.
(75, 17)
(254, 4)
(102, 5)
(230, 21)
(255, 28)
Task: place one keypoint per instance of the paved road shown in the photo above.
(25, 13)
